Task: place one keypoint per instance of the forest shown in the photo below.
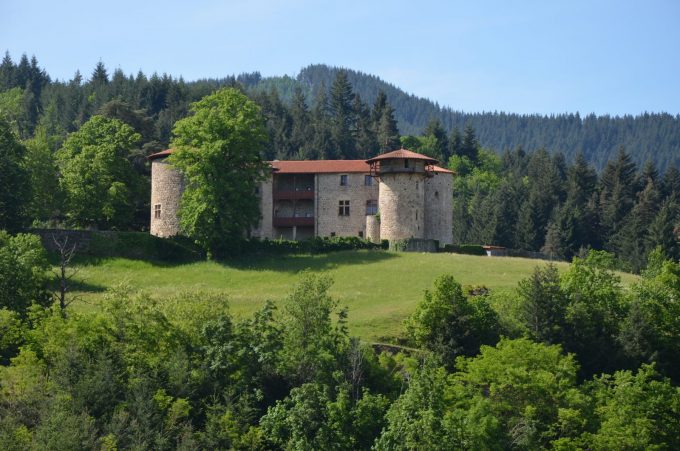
(566, 360)
(569, 360)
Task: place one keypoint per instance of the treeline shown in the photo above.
(648, 136)
(539, 202)
(585, 365)
(62, 106)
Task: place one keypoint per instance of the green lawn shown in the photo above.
(380, 288)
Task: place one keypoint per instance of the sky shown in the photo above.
(604, 57)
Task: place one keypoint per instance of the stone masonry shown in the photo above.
(167, 185)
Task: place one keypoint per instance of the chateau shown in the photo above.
(394, 196)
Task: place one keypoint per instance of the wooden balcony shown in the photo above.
(293, 194)
(293, 221)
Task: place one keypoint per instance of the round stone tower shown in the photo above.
(167, 186)
(402, 175)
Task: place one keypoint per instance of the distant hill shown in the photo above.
(649, 136)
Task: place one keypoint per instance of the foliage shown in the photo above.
(96, 175)
(15, 187)
(450, 324)
(219, 152)
(23, 267)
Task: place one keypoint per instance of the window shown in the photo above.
(157, 211)
(343, 180)
(368, 180)
(405, 163)
(416, 185)
(343, 208)
(371, 207)
(332, 234)
(361, 233)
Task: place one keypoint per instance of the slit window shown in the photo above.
(157, 211)
(343, 208)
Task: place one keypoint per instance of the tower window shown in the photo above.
(371, 207)
(157, 211)
(343, 208)
(343, 180)
(368, 180)
(361, 233)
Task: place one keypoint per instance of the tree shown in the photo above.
(532, 388)
(470, 146)
(437, 143)
(342, 116)
(219, 152)
(543, 305)
(97, 178)
(45, 201)
(449, 324)
(385, 124)
(636, 411)
(23, 267)
(312, 345)
(15, 190)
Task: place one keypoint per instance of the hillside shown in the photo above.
(648, 136)
(379, 288)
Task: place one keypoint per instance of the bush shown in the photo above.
(316, 245)
(141, 245)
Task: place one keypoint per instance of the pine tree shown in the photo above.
(7, 76)
(322, 142)
(671, 182)
(366, 141)
(99, 75)
(617, 195)
(301, 132)
(342, 117)
(663, 229)
(470, 145)
(436, 135)
(455, 142)
(385, 125)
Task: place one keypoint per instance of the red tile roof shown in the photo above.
(319, 166)
(405, 154)
(322, 166)
(162, 154)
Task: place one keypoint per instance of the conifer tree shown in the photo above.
(470, 146)
(455, 142)
(366, 141)
(322, 142)
(386, 130)
(301, 132)
(342, 116)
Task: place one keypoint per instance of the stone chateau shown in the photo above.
(394, 196)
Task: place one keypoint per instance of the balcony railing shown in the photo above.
(293, 194)
(293, 221)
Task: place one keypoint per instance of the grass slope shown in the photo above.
(379, 288)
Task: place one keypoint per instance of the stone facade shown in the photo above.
(329, 193)
(167, 185)
(438, 208)
(402, 204)
(414, 201)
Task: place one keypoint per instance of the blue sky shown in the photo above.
(606, 57)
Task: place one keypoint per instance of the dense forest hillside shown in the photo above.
(62, 106)
(648, 136)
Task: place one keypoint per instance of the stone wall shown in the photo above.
(439, 208)
(328, 195)
(401, 206)
(373, 229)
(265, 228)
(167, 185)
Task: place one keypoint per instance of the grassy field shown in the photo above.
(380, 288)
